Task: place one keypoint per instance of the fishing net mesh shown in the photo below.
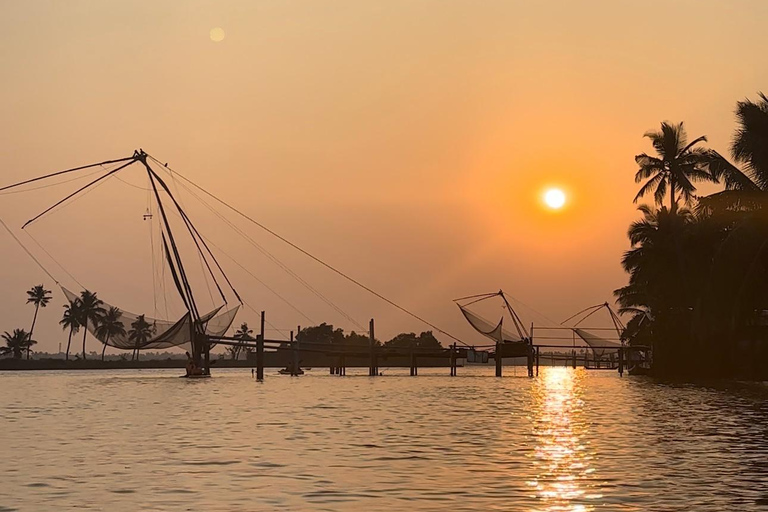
(153, 333)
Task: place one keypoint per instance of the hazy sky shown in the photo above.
(406, 142)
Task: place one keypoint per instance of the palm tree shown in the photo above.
(750, 145)
(110, 325)
(141, 332)
(243, 334)
(742, 206)
(71, 320)
(90, 309)
(676, 167)
(16, 343)
(660, 270)
(40, 297)
(746, 187)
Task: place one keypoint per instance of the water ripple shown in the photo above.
(566, 441)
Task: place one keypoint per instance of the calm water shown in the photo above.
(566, 441)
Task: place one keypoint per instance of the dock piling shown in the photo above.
(498, 359)
(373, 369)
(621, 362)
(260, 351)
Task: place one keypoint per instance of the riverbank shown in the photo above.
(271, 360)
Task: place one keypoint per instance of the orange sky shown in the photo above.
(407, 142)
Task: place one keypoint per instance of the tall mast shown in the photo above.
(177, 267)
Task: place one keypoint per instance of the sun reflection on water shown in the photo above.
(562, 458)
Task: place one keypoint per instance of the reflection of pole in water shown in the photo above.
(561, 460)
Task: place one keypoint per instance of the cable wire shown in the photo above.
(312, 256)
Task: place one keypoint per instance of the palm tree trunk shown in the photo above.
(85, 333)
(32, 329)
(105, 348)
(69, 342)
(672, 202)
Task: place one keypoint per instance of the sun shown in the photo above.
(554, 198)
(217, 34)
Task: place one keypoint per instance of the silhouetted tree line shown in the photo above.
(698, 265)
(85, 310)
(327, 334)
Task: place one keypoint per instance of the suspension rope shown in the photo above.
(276, 261)
(259, 280)
(42, 267)
(595, 307)
(152, 252)
(282, 333)
(22, 191)
(54, 260)
(313, 257)
(39, 178)
(76, 192)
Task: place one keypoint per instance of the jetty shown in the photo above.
(202, 329)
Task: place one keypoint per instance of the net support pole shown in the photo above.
(413, 361)
(453, 360)
(260, 351)
(498, 359)
(538, 356)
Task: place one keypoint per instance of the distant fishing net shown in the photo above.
(604, 346)
(161, 333)
(496, 332)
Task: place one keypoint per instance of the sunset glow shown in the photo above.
(355, 254)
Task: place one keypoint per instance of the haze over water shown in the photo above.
(570, 440)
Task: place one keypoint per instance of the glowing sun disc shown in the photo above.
(217, 34)
(554, 198)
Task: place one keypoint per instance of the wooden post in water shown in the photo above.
(529, 360)
(621, 362)
(260, 351)
(333, 368)
(574, 358)
(532, 359)
(412, 357)
(294, 356)
(298, 350)
(538, 355)
(498, 359)
(373, 369)
(453, 360)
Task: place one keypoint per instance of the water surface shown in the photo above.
(569, 440)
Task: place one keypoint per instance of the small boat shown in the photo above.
(201, 376)
(287, 371)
